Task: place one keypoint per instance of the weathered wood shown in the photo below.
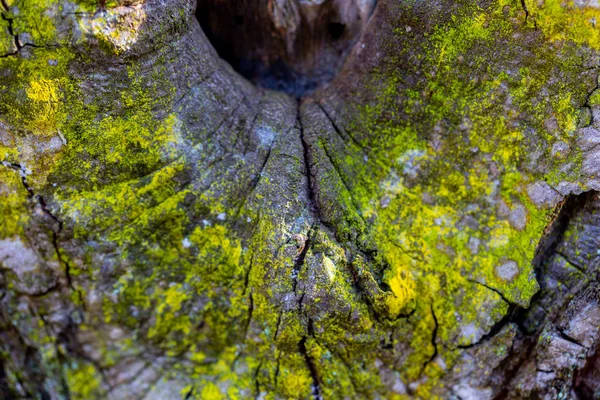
(423, 223)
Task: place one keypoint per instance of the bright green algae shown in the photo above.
(181, 283)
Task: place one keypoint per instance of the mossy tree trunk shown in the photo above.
(415, 215)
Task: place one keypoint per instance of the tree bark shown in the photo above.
(415, 215)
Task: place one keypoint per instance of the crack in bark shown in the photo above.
(494, 330)
(31, 379)
(433, 340)
(568, 338)
(493, 289)
(524, 6)
(15, 36)
(341, 176)
(189, 394)
(247, 275)
(55, 231)
(587, 105)
(277, 367)
(309, 176)
(250, 311)
(316, 388)
(575, 265)
(508, 370)
(339, 130)
(546, 248)
(11, 31)
(359, 248)
(299, 261)
(256, 383)
(278, 325)
(546, 371)
(256, 180)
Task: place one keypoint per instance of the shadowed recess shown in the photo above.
(293, 46)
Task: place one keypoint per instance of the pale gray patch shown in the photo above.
(588, 138)
(567, 188)
(518, 217)
(266, 136)
(474, 244)
(560, 149)
(583, 325)
(466, 392)
(166, 389)
(507, 271)
(591, 163)
(503, 210)
(541, 194)
(16, 257)
(470, 333)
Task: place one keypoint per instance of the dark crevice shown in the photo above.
(11, 30)
(17, 41)
(278, 325)
(546, 371)
(369, 301)
(568, 338)
(433, 340)
(524, 6)
(587, 104)
(493, 289)
(336, 30)
(277, 367)
(307, 157)
(316, 389)
(341, 132)
(256, 383)
(344, 182)
(5, 391)
(528, 337)
(250, 311)
(248, 271)
(289, 45)
(586, 381)
(494, 330)
(259, 174)
(570, 261)
(55, 231)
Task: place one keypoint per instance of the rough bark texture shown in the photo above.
(423, 225)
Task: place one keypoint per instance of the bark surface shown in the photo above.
(417, 217)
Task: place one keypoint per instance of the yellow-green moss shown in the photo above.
(83, 381)
(14, 214)
(565, 20)
(464, 173)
